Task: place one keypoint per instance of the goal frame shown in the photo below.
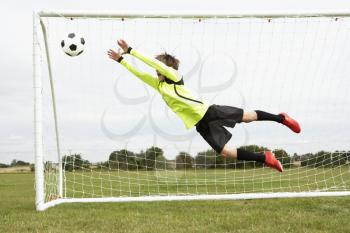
(40, 29)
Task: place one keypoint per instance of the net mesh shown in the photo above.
(119, 139)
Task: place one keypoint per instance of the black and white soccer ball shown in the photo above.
(73, 44)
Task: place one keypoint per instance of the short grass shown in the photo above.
(17, 214)
(95, 183)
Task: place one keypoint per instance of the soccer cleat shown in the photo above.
(271, 161)
(290, 123)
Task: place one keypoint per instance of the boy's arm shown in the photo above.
(147, 78)
(165, 70)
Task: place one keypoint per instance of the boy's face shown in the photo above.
(160, 76)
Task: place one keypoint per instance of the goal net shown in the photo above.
(103, 135)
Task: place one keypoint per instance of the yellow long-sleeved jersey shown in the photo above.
(174, 93)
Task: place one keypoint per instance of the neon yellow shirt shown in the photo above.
(174, 93)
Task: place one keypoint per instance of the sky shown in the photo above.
(16, 92)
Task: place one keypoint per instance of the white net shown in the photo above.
(119, 139)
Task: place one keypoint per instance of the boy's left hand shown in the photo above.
(122, 43)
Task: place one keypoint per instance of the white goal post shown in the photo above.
(82, 153)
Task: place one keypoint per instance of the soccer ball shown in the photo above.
(73, 44)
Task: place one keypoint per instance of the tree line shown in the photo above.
(153, 159)
(14, 163)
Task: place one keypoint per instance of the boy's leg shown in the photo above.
(249, 116)
(267, 157)
(240, 154)
(282, 118)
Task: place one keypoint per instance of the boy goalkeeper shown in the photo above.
(209, 121)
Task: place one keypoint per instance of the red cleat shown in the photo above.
(291, 123)
(271, 161)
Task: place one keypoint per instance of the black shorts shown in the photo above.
(211, 126)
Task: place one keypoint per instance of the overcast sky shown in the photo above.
(16, 93)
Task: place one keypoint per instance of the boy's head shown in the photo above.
(168, 60)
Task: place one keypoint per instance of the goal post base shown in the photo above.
(244, 196)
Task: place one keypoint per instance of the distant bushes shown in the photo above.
(2, 165)
(15, 163)
(325, 159)
(153, 158)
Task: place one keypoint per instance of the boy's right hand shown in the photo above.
(122, 43)
(114, 55)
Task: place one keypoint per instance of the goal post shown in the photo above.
(38, 26)
(101, 135)
(38, 143)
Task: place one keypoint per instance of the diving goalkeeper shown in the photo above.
(210, 121)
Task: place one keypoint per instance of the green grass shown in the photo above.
(17, 214)
(94, 183)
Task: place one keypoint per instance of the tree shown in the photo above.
(13, 163)
(122, 159)
(295, 157)
(141, 159)
(209, 159)
(161, 162)
(184, 161)
(320, 159)
(283, 157)
(74, 162)
(153, 158)
(305, 159)
(339, 158)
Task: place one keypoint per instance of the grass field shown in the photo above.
(95, 183)
(17, 214)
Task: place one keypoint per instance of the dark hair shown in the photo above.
(169, 60)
